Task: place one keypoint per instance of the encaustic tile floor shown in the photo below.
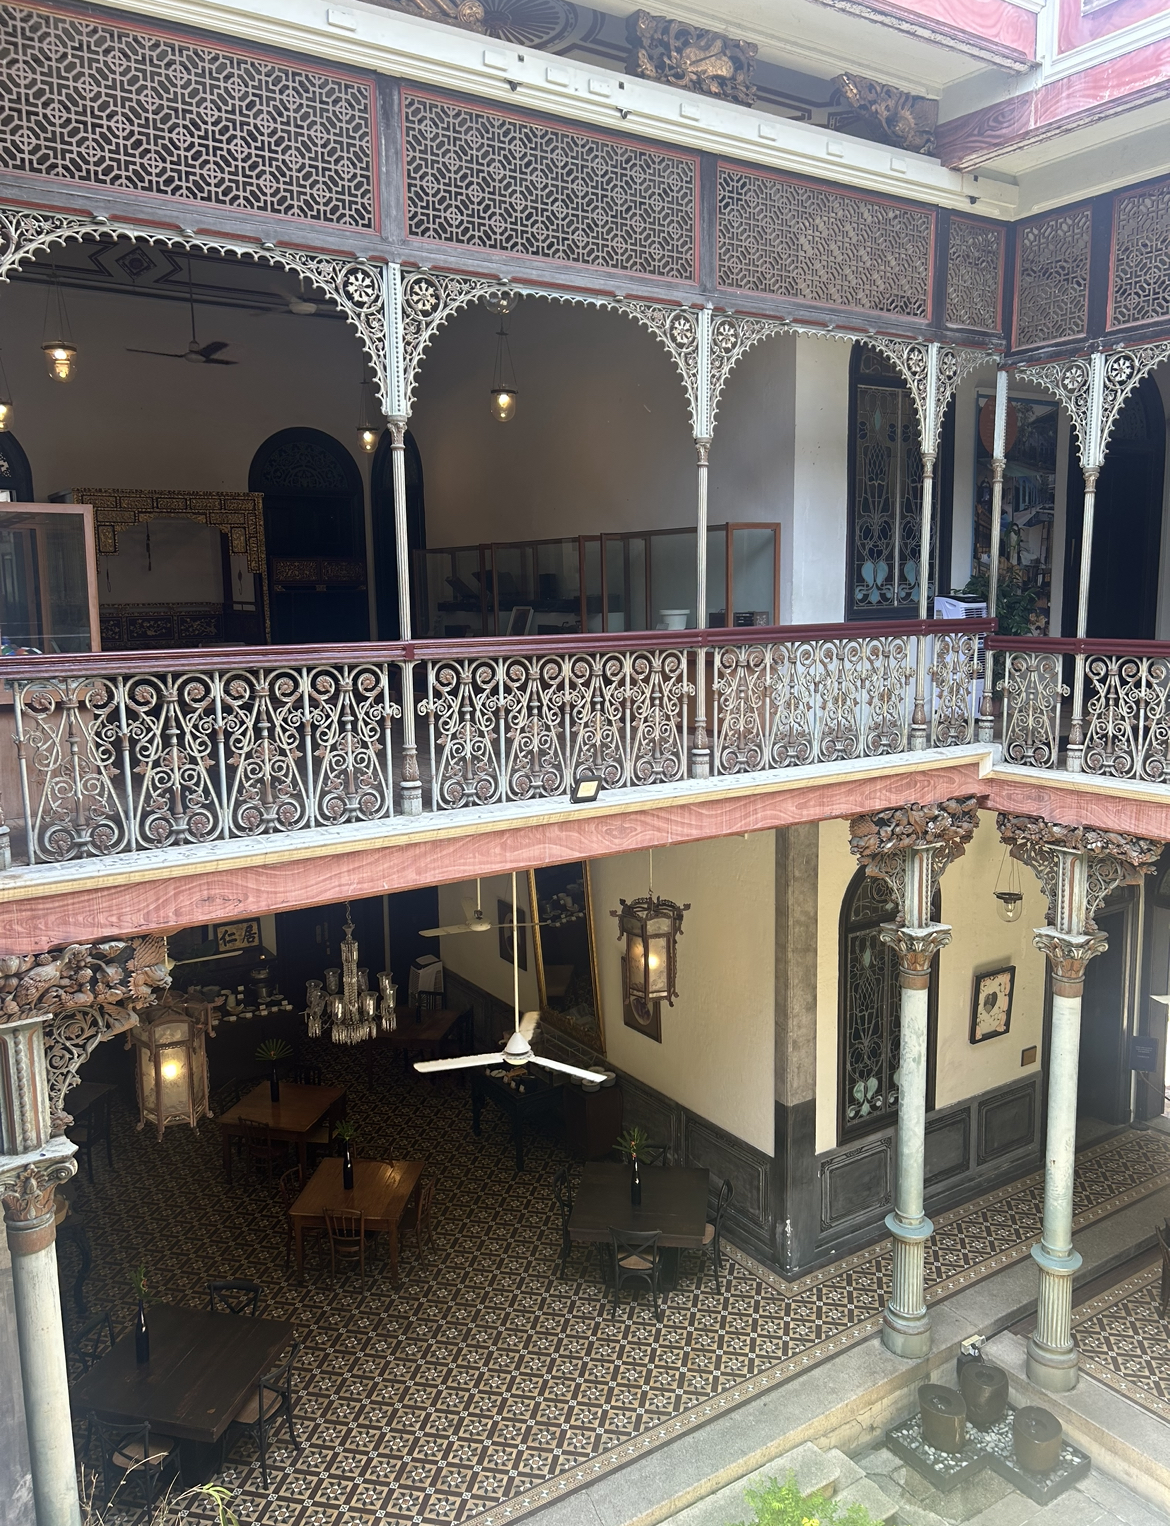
(486, 1385)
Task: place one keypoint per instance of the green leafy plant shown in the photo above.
(345, 1130)
(138, 1277)
(173, 1508)
(632, 1141)
(782, 1504)
(1014, 604)
(273, 1050)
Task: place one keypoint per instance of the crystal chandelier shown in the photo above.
(345, 1004)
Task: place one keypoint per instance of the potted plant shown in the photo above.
(141, 1329)
(346, 1133)
(273, 1051)
(782, 1504)
(632, 1142)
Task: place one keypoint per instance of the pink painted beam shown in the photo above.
(996, 30)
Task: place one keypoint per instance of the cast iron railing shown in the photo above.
(118, 753)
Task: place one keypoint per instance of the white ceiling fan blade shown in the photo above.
(446, 932)
(528, 1025)
(569, 1070)
(465, 1062)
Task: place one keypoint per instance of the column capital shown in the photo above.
(1068, 954)
(1077, 866)
(923, 838)
(27, 1188)
(915, 948)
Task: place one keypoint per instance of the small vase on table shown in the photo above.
(347, 1167)
(141, 1336)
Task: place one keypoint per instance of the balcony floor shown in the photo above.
(486, 1386)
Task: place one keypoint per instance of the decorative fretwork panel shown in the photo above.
(1052, 279)
(812, 244)
(487, 180)
(103, 104)
(974, 271)
(887, 502)
(1141, 256)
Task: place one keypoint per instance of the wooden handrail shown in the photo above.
(1071, 646)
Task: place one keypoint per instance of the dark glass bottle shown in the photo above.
(635, 1181)
(274, 1083)
(347, 1167)
(141, 1336)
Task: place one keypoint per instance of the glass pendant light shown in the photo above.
(60, 353)
(1009, 902)
(5, 399)
(649, 927)
(503, 404)
(370, 422)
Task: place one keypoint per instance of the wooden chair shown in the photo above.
(711, 1238)
(85, 1347)
(259, 1146)
(347, 1239)
(635, 1259)
(654, 1154)
(419, 1223)
(92, 1129)
(1164, 1246)
(291, 1185)
(234, 1297)
(262, 1411)
(131, 1455)
(305, 1075)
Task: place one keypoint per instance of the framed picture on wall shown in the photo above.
(991, 1004)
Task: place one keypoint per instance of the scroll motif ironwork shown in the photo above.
(812, 244)
(1141, 255)
(1127, 717)
(103, 103)
(1032, 693)
(974, 271)
(1094, 389)
(1052, 280)
(556, 194)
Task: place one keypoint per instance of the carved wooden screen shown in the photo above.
(870, 1030)
(974, 275)
(492, 180)
(1141, 256)
(1052, 277)
(791, 239)
(105, 104)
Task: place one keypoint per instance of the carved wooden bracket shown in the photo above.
(940, 832)
(1108, 860)
(885, 115)
(691, 58)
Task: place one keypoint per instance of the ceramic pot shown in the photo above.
(944, 1417)
(985, 1392)
(1038, 1436)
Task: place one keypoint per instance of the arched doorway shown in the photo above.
(1127, 526)
(313, 523)
(16, 485)
(385, 547)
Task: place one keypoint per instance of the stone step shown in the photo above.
(818, 1472)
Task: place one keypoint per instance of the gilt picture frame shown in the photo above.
(991, 1003)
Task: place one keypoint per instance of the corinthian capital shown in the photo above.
(937, 834)
(1077, 866)
(916, 948)
(1068, 954)
(29, 1195)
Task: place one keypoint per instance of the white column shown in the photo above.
(985, 724)
(701, 747)
(1092, 459)
(411, 787)
(928, 425)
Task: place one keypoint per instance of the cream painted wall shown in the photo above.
(476, 956)
(717, 1050)
(980, 942)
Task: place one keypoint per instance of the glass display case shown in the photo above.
(48, 579)
(633, 581)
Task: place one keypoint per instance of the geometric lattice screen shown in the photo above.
(1052, 277)
(813, 244)
(1141, 256)
(487, 180)
(104, 105)
(974, 273)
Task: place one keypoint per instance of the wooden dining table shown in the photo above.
(300, 1111)
(674, 1202)
(202, 1367)
(381, 1190)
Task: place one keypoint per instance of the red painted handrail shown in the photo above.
(219, 659)
(1072, 646)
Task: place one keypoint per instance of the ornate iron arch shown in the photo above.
(1093, 390)
(356, 287)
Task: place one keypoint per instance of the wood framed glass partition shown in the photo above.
(634, 580)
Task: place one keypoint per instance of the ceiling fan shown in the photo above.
(300, 306)
(474, 921)
(518, 1049)
(196, 353)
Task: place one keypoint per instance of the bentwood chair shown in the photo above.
(291, 1185)
(654, 1154)
(711, 1236)
(85, 1347)
(263, 1410)
(419, 1223)
(259, 1145)
(347, 1239)
(133, 1458)
(635, 1259)
(234, 1296)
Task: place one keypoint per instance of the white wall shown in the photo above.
(980, 941)
(717, 1049)
(476, 956)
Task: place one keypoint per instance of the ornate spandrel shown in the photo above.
(1077, 866)
(468, 14)
(884, 114)
(691, 58)
(939, 833)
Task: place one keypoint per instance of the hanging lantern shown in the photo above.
(370, 421)
(650, 927)
(1009, 900)
(61, 359)
(171, 1072)
(60, 353)
(503, 404)
(5, 399)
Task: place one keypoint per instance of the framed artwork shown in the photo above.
(504, 924)
(991, 1004)
(237, 937)
(566, 952)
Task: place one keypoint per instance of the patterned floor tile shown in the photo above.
(1125, 1342)
(485, 1385)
